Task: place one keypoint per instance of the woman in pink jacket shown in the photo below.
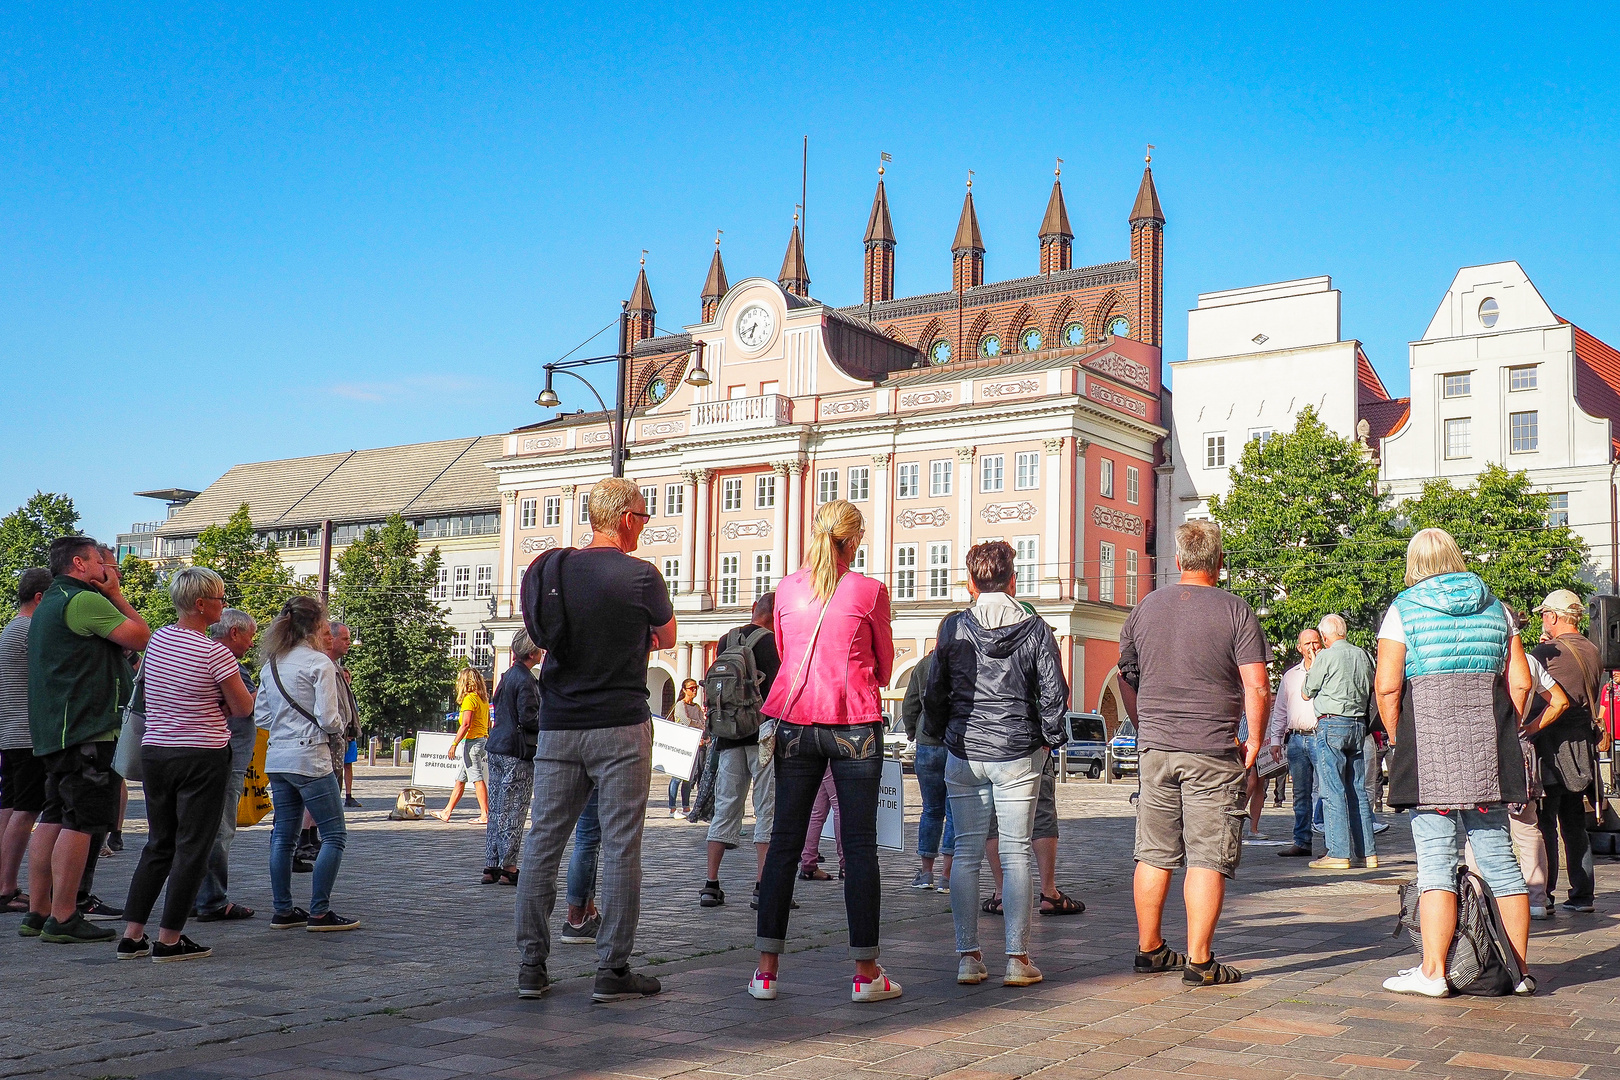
(832, 628)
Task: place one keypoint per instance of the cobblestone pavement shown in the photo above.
(424, 991)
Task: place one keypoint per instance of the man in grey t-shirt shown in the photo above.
(1197, 658)
(22, 775)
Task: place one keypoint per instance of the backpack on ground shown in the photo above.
(410, 806)
(541, 600)
(1481, 961)
(731, 688)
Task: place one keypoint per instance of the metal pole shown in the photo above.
(326, 561)
(618, 398)
(1614, 534)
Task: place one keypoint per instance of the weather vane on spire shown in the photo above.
(883, 159)
(970, 179)
(643, 256)
(1058, 170)
(1150, 153)
(717, 234)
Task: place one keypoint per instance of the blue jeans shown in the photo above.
(322, 796)
(1302, 761)
(936, 808)
(1342, 772)
(1434, 837)
(582, 864)
(1007, 789)
(211, 897)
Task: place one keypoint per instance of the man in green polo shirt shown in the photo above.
(78, 684)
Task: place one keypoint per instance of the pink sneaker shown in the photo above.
(881, 988)
(762, 986)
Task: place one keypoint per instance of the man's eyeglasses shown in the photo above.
(639, 514)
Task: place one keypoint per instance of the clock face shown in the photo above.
(754, 326)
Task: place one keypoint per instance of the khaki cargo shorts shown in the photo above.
(1191, 810)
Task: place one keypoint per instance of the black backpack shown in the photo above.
(1481, 961)
(541, 598)
(731, 688)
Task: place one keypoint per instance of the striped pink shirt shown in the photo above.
(182, 670)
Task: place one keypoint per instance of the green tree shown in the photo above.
(146, 591)
(400, 661)
(1500, 522)
(25, 539)
(1307, 532)
(256, 581)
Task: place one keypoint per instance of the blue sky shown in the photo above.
(235, 235)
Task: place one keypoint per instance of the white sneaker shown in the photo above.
(762, 986)
(970, 971)
(1540, 913)
(1380, 827)
(881, 988)
(678, 815)
(1021, 973)
(1413, 981)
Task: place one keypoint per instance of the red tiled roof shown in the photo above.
(1384, 417)
(1597, 380)
(1369, 387)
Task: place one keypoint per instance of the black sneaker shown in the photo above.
(184, 949)
(352, 803)
(296, 919)
(584, 933)
(302, 867)
(134, 950)
(115, 841)
(1578, 905)
(32, 923)
(97, 909)
(712, 895)
(532, 981)
(623, 985)
(330, 921)
(75, 931)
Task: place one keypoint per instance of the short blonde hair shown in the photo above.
(191, 585)
(610, 500)
(1432, 552)
(1198, 547)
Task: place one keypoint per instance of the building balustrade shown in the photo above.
(741, 414)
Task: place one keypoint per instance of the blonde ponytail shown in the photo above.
(834, 532)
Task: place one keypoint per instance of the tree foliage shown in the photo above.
(1500, 523)
(25, 540)
(256, 581)
(146, 592)
(400, 662)
(1307, 531)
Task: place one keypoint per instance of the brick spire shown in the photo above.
(1147, 251)
(715, 285)
(879, 278)
(641, 307)
(795, 275)
(1056, 236)
(967, 250)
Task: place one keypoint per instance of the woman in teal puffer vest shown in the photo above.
(1452, 683)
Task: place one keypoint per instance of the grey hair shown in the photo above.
(1332, 626)
(523, 646)
(192, 584)
(336, 626)
(1198, 547)
(231, 619)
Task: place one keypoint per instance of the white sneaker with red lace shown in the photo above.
(881, 988)
(763, 986)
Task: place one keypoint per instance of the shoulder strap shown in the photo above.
(809, 651)
(752, 639)
(1586, 672)
(307, 715)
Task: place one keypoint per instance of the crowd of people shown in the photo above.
(1491, 750)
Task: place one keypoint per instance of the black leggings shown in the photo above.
(185, 795)
(803, 754)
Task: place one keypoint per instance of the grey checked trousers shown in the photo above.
(616, 761)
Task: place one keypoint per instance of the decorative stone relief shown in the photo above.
(1010, 389)
(1122, 368)
(733, 529)
(882, 460)
(965, 453)
(845, 408)
(1107, 395)
(1106, 517)
(535, 445)
(1053, 446)
(532, 544)
(922, 398)
(1018, 511)
(924, 519)
(662, 534)
(595, 438)
(568, 491)
(659, 428)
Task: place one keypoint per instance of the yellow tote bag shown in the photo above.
(255, 802)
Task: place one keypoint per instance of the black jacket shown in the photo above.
(912, 706)
(515, 716)
(995, 695)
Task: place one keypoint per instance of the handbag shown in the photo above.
(255, 802)
(127, 755)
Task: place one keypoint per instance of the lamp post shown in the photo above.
(618, 427)
(1614, 532)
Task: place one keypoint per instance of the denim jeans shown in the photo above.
(322, 796)
(1434, 838)
(803, 754)
(211, 897)
(681, 789)
(1302, 760)
(1341, 770)
(582, 863)
(936, 806)
(1007, 789)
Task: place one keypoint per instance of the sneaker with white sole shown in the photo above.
(763, 985)
(881, 988)
(130, 949)
(330, 921)
(582, 934)
(184, 949)
(1540, 913)
(1413, 981)
(970, 970)
(922, 881)
(1021, 973)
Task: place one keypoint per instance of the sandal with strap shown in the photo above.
(814, 874)
(14, 902)
(1210, 974)
(509, 877)
(492, 874)
(1160, 960)
(991, 905)
(1062, 904)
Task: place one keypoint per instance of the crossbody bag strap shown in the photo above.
(809, 651)
(305, 713)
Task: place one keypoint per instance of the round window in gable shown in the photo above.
(1119, 326)
(658, 390)
(990, 346)
(1489, 312)
(940, 352)
(1074, 334)
(1029, 340)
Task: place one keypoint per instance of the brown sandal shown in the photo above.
(1062, 904)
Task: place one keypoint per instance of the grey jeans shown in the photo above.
(1006, 790)
(617, 763)
(211, 896)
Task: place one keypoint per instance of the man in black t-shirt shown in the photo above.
(594, 735)
(741, 763)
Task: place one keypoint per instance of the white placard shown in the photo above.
(891, 815)
(431, 764)
(675, 747)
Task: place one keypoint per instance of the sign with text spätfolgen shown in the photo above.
(891, 816)
(675, 747)
(431, 764)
